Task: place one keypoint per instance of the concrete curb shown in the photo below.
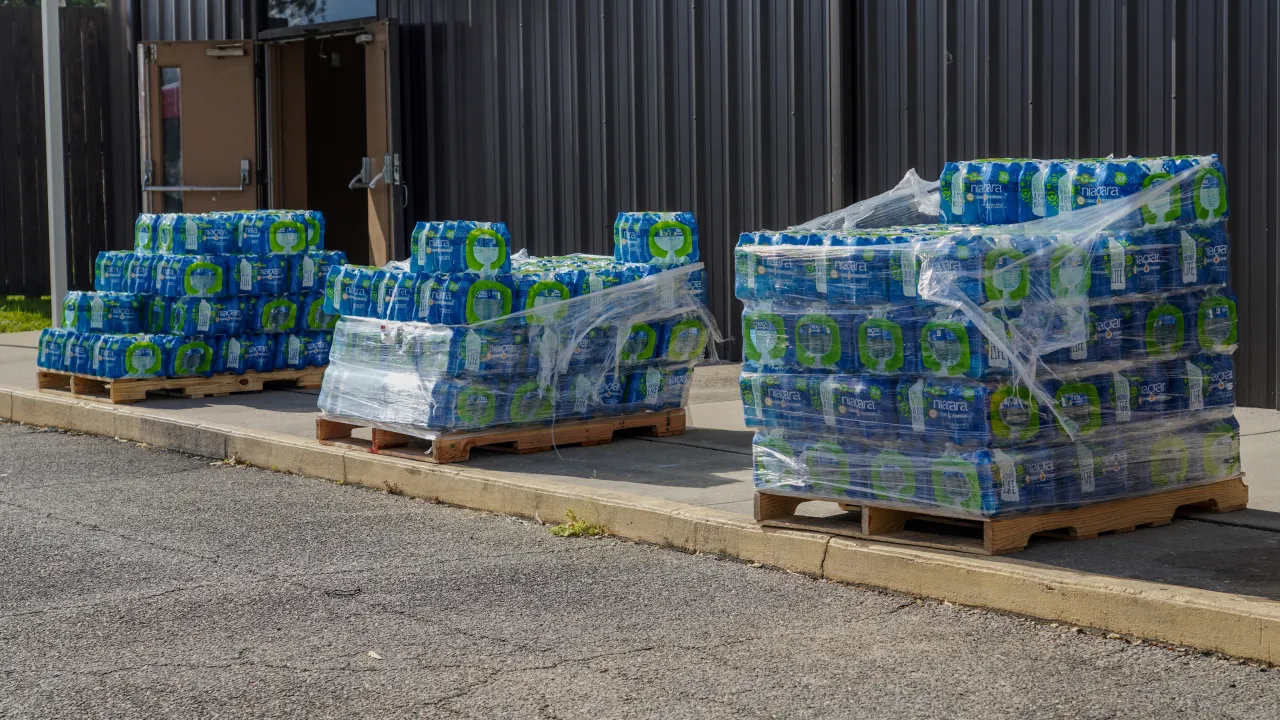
(1233, 624)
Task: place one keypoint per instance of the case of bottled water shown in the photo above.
(515, 342)
(1022, 336)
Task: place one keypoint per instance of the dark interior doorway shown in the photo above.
(321, 139)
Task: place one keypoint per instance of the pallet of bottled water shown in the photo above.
(1044, 336)
(468, 336)
(222, 293)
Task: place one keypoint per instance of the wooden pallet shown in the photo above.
(996, 536)
(457, 446)
(131, 390)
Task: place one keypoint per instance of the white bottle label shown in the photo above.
(295, 348)
(909, 280)
(233, 354)
(820, 272)
(1008, 476)
(1066, 198)
(1188, 258)
(1084, 463)
(915, 396)
(751, 269)
(472, 353)
(1079, 351)
(996, 357)
(246, 275)
(652, 384)
(957, 192)
(96, 312)
(581, 394)
(308, 272)
(1195, 386)
(827, 392)
(203, 315)
(1121, 387)
(1117, 264)
(1037, 192)
(192, 236)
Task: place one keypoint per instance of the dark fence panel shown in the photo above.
(553, 116)
(24, 244)
(952, 80)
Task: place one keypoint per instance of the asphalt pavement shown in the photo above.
(137, 582)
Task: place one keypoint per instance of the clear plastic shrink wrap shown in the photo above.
(464, 337)
(982, 369)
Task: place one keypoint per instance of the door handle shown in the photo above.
(385, 175)
(361, 181)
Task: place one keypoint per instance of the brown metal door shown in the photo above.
(199, 130)
(385, 188)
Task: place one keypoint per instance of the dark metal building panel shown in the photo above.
(192, 19)
(934, 81)
(554, 116)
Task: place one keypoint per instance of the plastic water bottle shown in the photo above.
(273, 315)
(824, 341)
(184, 356)
(144, 233)
(1212, 323)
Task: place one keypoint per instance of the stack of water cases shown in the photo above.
(466, 336)
(1065, 337)
(222, 292)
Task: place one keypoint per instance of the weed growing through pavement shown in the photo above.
(576, 528)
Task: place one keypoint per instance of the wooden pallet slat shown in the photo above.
(995, 536)
(457, 447)
(131, 390)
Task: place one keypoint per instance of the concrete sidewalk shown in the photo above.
(710, 468)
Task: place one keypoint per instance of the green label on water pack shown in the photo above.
(279, 315)
(945, 349)
(531, 402)
(1220, 453)
(318, 319)
(1079, 404)
(955, 483)
(1166, 206)
(1216, 324)
(880, 345)
(1007, 275)
(142, 359)
(202, 279)
(1069, 271)
(817, 341)
(640, 344)
(687, 341)
(287, 236)
(485, 250)
(487, 300)
(1014, 413)
(1209, 194)
(1168, 461)
(828, 464)
(475, 406)
(546, 292)
(775, 462)
(764, 337)
(670, 240)
(893, 477)
(192, 358)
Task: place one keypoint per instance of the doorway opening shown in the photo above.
(318, 135)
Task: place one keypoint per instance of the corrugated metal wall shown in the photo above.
(937, 81)
(758, 113)
(553, 116)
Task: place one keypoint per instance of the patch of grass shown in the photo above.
(576, 528)
(19, 314)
